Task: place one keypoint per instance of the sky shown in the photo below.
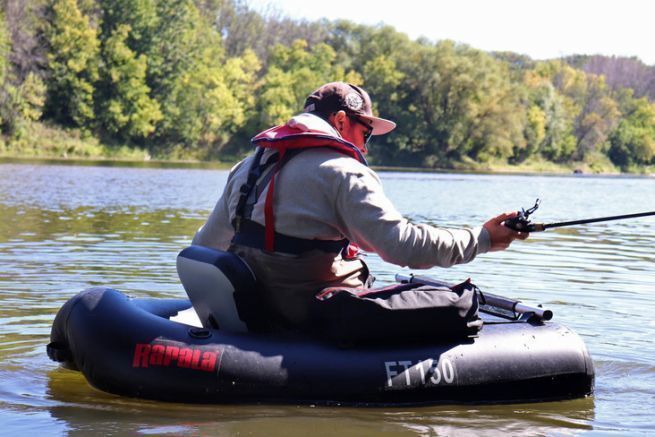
(542, 29)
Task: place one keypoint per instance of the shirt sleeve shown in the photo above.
(370, 220)
(217, 232)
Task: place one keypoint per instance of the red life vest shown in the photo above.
(285, 138)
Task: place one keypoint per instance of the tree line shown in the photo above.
(198, 78)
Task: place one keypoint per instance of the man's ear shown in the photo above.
(339, 119)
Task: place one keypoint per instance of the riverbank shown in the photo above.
(501, 169)
(41, 143)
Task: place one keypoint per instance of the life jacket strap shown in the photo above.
(254, 173)
(254, 235)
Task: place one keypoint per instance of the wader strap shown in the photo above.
(253, 235)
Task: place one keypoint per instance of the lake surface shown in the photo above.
(66, 228)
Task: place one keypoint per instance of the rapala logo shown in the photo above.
(146, 355)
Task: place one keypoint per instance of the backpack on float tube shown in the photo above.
(403, 313)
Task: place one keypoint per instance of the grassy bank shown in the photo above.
(594, 164)
(40, 142)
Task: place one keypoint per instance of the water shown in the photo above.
(66, 228)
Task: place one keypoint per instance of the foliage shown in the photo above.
(5, 47)
(141, 17)
(244, 28)
(293, 73)
(21, 102)
(126, 108)
(72, 64)
(197, 78)
(620, 73)
(633, 142)
(200, 91)
(457, 103)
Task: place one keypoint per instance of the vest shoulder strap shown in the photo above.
(259, 175)
(288, 145)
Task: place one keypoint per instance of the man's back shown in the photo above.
(306, 206)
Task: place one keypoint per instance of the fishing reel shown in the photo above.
(522, 221)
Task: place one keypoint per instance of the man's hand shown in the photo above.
(501, 236)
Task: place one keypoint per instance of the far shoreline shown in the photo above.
(501, 170)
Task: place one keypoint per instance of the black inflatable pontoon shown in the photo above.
(131, 347)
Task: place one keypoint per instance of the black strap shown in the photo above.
(254, 173)
(252, 235)
(255, 191)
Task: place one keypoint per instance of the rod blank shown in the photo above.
(596, 220)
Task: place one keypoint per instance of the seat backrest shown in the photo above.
(212, 279)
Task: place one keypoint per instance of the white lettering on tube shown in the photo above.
(406, 365)
(390, 373)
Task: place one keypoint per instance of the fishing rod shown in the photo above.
(522, 222)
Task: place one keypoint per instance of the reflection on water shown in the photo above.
(64, 229)
(84, 410)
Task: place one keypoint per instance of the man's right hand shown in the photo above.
(501, 236)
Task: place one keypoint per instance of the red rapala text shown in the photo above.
(148, 355)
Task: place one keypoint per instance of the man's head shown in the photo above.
(348, 108)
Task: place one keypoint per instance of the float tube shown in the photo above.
(131, 347)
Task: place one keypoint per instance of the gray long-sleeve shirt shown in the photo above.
(322, 194)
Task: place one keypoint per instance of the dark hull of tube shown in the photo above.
(129, 347)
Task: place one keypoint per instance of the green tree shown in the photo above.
(558, 142)
(358, 44)
(72, 64)
(633, 142)
(598, 118)
(586, 99)
(31, 98)
(126, 107)
(383, 80)
(535, 129)
(458, 104)
(210, 110)
(140, 15)
(201, 92)
(293, 73)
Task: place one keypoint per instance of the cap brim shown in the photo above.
(380, 126)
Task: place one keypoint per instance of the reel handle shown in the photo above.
(521, 222)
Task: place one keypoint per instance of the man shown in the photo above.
(291, 210)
